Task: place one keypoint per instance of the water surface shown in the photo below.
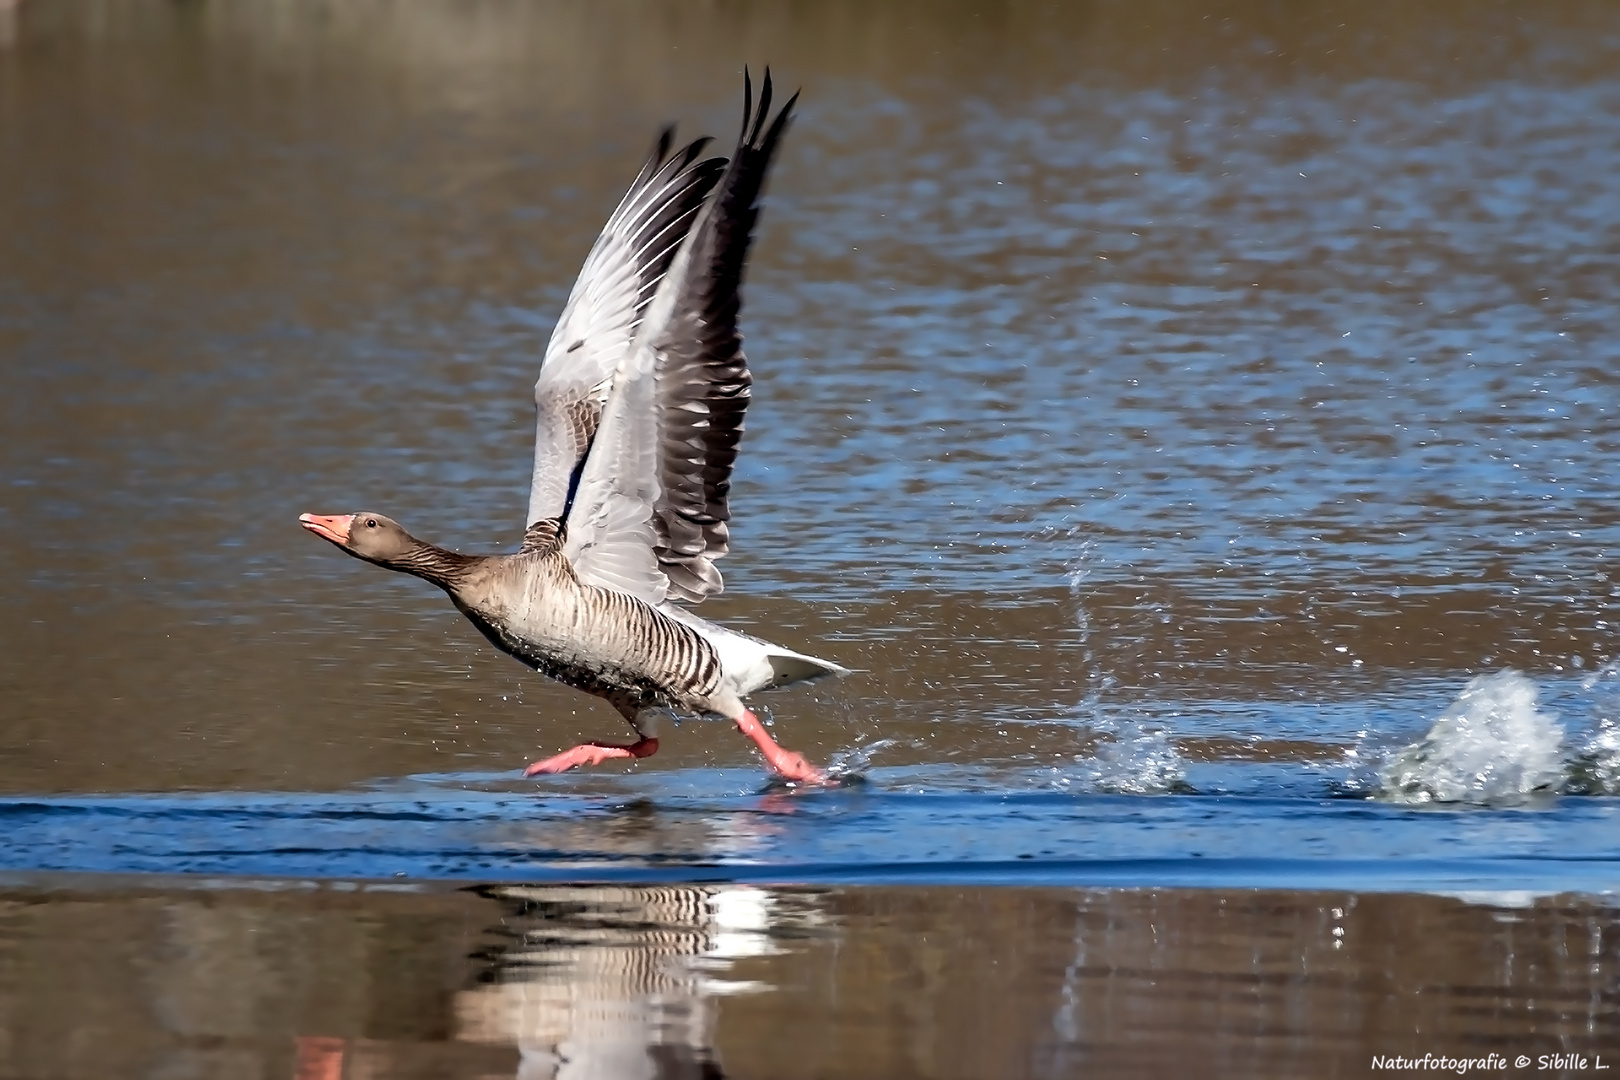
(1196, 428)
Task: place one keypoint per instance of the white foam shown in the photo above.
(1491, 747)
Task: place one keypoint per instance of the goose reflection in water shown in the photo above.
(595, 983)
(614, 982)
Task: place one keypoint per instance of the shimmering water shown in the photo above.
(1195, 427)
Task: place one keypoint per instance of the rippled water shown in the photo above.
(1197, 432)
(1250, 401)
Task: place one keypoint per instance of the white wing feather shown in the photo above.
(610, 529)
(598, 326)
(592, 338)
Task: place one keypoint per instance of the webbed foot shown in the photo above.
(785, 763)
(592, 754)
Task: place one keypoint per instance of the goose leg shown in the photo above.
(594, 753)
(785, 763)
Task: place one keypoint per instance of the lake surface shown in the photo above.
(1196, 427)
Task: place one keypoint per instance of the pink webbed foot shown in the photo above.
(319, 1058)
(785, 763)
(592, 754)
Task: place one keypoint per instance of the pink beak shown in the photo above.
(335, 529)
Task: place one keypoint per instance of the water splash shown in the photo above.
(857, 760)
(1491, 747)
(1595, 767)
(1139, 761)
(1076, 570)
(1133, 759)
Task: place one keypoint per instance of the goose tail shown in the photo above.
(752, 664)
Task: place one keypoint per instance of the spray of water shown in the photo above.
(1491, 747)
(1132, 759)
(855, 761)
(1595, 767)
(1140, 761)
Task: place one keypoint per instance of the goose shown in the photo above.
(639, 406)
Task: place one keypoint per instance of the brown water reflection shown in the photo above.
(674, 981)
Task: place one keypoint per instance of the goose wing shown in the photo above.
(599, 323)
(651, 511)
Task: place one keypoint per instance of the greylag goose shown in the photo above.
(640, 406)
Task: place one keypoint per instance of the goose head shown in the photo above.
(364, 534)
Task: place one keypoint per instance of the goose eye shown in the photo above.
(371, 523)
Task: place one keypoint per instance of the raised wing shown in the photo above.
(669, 434)
(610, 536)
(598, 325)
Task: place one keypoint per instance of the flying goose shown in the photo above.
(640, 406)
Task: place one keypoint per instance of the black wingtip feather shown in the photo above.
(782, 119)
(704, 378)
(693, 149)
(764, 107)
(666, 139)
(754, 117)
